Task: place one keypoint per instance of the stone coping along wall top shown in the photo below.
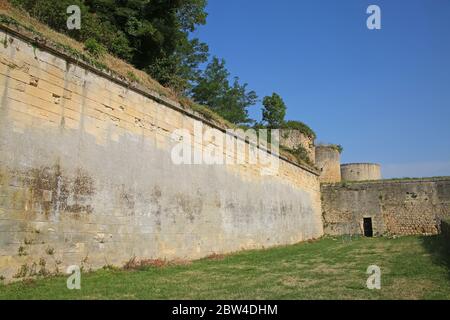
(360, 163)
(388, 181)
(50, 47)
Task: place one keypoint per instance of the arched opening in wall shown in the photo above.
(368, 230)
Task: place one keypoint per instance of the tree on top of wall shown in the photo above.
(274, 111)
(231, 101)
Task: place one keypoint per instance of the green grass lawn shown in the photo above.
(330, 268)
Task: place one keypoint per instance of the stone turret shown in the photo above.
(360, 171)
(328, 161)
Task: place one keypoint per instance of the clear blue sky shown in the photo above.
(383, 94)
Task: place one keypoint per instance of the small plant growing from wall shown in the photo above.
(32, 270)
(300, 154)
(132, 76)
(22, 272)
(50, 251)
(338, 147)
(300, 126)
(28, 241)
(94, 48)
(22, 251)
(43, 270)
(35, 51)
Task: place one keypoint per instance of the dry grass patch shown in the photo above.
(138, 264)
(416, 289)
(215, 256)
(111, 62)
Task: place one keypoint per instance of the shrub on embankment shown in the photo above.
(445, 230)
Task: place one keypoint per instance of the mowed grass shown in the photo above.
(330, 268)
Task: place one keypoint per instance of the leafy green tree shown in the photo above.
(158, 31)
(180, 70)
(151, 34)
(212, 83)
(274, 111)
(236, 103)
(214, 90)
(54, 14)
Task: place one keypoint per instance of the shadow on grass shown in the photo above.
(439, 248)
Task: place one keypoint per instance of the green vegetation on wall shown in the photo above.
(94, 48)
(300, 126)
(274, 111)
(300, 154)
(155, 36)
(336, 147)
(152, 35)
(208, 91)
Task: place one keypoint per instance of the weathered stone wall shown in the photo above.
(86, 176)
(445, 230)
(403, 207)
(293, 139)
(328, 161)
(360, 172)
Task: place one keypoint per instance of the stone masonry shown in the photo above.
(402, 207)
(86, 176)
(328, 161)
(293, 139)
(360, 172)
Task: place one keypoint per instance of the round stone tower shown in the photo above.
(328, 160)
(360, 171)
